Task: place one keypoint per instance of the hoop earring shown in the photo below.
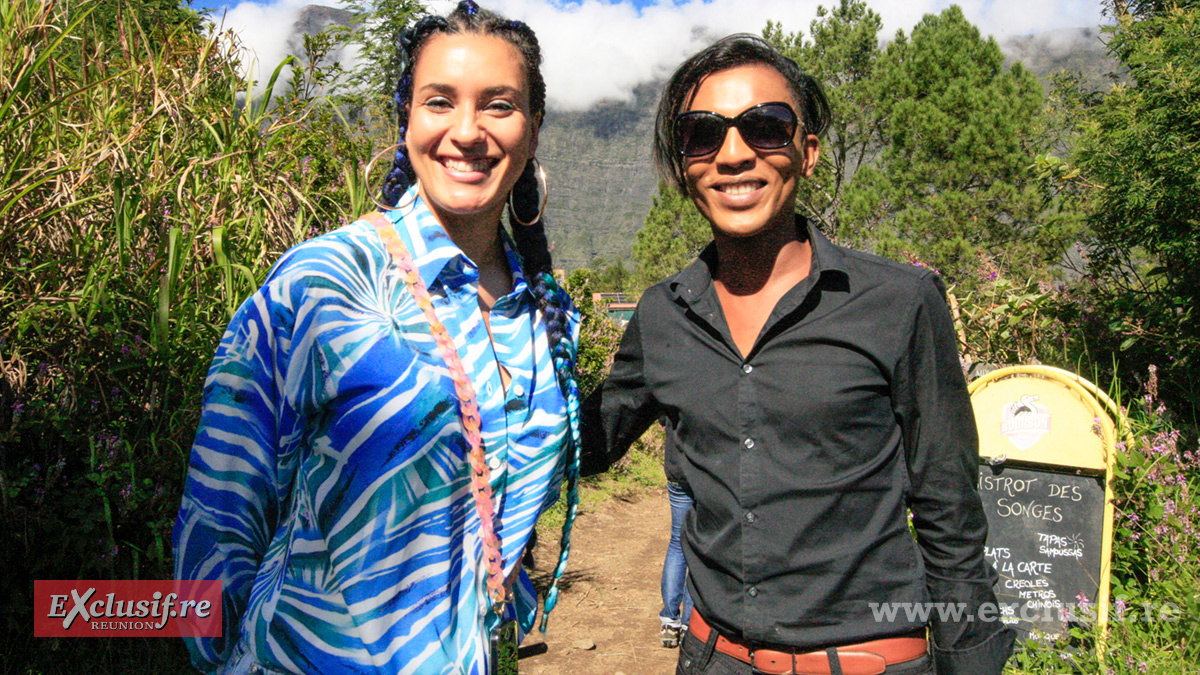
(540, 174)
(367, 180)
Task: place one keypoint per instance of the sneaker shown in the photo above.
(670, 636)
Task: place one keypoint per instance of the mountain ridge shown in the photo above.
(601, 175)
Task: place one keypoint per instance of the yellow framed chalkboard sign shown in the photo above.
(1047, 445)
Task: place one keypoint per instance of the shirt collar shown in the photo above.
(433, 250)
(696, 279)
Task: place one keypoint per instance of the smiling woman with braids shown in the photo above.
(388, 415)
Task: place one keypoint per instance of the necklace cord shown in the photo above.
(481, 487)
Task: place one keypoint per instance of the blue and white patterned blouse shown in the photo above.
(328, 485)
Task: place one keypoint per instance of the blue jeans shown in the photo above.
(677, 602)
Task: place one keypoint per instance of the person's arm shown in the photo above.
(942, 452)
(621, 408)
(231, 500)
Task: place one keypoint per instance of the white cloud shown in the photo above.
(596, 50)
(264, 29)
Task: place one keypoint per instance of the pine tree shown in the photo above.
(960, 133)
(673, 235)
(375, 31)
(841, 55)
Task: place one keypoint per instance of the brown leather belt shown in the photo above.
(866, 658)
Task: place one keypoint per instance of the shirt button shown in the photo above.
(494, 462)
(750, 517)
(518, 390)
(749, 443)
(747, 368)
(753, 592)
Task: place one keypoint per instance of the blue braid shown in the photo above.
(553, 299)
(401, 175)
(399, 178)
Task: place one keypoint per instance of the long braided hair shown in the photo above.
(530, 240)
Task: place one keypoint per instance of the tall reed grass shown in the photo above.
(144, 192)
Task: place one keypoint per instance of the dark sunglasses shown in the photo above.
(767, 126)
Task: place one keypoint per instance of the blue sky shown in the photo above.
(601, 49)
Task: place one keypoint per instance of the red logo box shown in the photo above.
(114, 608)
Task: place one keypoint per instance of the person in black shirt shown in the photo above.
(818, 400)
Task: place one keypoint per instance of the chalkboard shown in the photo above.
(1045, 534)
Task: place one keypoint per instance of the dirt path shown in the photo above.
(606, 621)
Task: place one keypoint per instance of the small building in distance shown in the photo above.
(617, 305)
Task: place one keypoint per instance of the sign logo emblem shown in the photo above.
(122, 607)
(1025, 422)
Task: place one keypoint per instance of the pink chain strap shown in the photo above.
(481, 487)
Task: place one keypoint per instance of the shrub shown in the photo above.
(1154, 624)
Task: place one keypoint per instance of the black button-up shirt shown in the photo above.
(805, 457)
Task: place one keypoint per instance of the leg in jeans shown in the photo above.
(677, 603)
(698, 658)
